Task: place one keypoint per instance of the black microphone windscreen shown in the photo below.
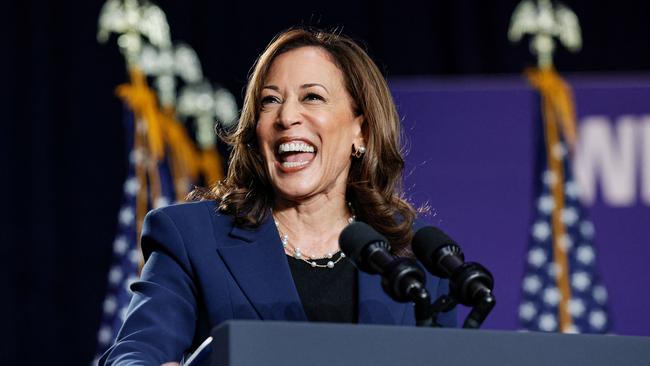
(427, 241)
(356, 236)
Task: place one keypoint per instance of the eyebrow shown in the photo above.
(303, 86)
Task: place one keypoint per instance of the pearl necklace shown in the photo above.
(310, 259)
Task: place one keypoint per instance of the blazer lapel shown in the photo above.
(260, 268)
(375, 306)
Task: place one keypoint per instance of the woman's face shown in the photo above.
(307, 125)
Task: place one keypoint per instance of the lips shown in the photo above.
(294, 154)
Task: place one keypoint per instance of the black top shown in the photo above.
(327, 294)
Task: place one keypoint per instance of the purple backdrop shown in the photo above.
(470, 155)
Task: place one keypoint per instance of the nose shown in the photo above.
(289, 114)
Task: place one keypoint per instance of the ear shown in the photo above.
(359, 128)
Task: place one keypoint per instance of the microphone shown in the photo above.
(401, 278)
(470, 283)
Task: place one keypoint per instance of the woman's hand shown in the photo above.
(171, 364)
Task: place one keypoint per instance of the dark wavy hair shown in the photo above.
(374, 186)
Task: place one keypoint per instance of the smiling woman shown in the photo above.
(317, 147)
(326, 87)
(305, 120)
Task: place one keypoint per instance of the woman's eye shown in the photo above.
(313, 97)
(269, 99)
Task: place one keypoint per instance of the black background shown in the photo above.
(61, 144)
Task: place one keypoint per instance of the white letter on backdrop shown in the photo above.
(607, 158)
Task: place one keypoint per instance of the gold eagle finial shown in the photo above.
(544, 22)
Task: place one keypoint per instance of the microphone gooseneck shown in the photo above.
(470, 283)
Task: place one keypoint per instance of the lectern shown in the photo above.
(253, 343)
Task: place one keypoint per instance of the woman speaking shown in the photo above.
(317, 147)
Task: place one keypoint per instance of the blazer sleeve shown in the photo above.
(161, 317)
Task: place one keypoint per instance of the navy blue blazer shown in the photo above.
(201, 270)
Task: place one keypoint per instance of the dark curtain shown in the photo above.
(61, 143)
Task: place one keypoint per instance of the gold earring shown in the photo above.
(359, 151)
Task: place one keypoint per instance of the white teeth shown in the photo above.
(293, 164)
(295, 146)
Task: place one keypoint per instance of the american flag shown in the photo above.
(127, 256)
(163, 164)
(562, 291)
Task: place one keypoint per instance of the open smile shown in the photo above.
(294, 154)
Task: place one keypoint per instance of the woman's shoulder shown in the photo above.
(194, 216)
(420, 221)
(185, 228)
(188, 211)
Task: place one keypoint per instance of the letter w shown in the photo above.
(608, 158)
